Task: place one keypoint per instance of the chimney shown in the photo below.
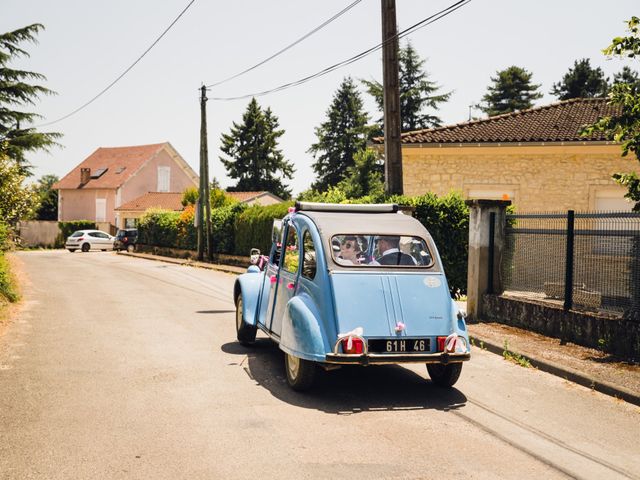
(85, 175)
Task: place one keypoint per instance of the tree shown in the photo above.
(47, 208)
(364, 177)
(624, 128)
(254, 157)
(581, 81)
(628, 76)
(417, 93)
(511, 90)
(339, 137)
(16, 92)
(17, 201)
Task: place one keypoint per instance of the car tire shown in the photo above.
(72, 249)
(444, 375)
(301, 373)
(86, 247)
(131, 248)
(246, 333)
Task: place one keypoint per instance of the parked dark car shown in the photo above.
(126, 240)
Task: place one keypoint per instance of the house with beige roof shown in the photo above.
(113, 177)
(536, 158)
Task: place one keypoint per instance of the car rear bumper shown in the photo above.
(386, 358)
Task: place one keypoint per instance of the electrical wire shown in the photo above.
(103, 91)
(279, 52)
(422, 23)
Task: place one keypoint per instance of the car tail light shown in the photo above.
(80, 239)
(124, 239)
(441, 341)
(357, 345)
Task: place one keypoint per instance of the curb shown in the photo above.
(191, 263)
(566, 373)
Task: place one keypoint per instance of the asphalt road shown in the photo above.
(120, 367)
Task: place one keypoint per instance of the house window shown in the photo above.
(164, 178)
(101, 209)
(129, 223)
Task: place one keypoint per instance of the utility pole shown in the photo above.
(391, 100)
(204, 205)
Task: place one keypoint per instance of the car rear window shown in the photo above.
(77, 234)
(373, 250)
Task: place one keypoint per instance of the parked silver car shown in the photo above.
(86, 240)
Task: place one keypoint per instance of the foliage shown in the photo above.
(624, 128)
(187, 235)
(47, 208)
(67, 228)
(515, 357)
(223, 234)
(364, 177)
(511, 90)
(159, 227)
(7, 283)
(190, 196)
(253, 227)
(417, 93)
(330, 195)
(220, 198)
(252, 153)
(16, 92)
(17, 201)
(339, 137)
(628, 76)
(581, 81)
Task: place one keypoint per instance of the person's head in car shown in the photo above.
(349, 249)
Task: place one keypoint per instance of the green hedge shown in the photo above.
(253, 227)
(223, 230)
(67, 228)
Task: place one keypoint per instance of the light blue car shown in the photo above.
(352, 284)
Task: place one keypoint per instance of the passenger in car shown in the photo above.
(350, 250)
(389, 248)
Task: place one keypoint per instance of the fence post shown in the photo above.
(485, 252)
(568, 273)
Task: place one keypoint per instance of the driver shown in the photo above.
(389, 247)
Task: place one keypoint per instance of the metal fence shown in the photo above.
(585, 261)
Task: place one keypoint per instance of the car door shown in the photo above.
(287, 277)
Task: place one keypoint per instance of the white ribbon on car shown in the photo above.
(454, 344)
(349, 336)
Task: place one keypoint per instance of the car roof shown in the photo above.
(336, 223)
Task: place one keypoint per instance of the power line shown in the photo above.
(103, 91)
(279, 52)
(422, 23)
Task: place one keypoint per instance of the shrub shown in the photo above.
(159, 227)
(67, 228)
(187, 236)
(7, 288)
(223, 232)
(4, 236)
(253, 227)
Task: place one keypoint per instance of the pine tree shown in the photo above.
(339, 138)
(417, 93)
(511, 90)
(47, 198)
(364, 177)
(253, 155)
(628, 76)
(581, 81)
(16, 93)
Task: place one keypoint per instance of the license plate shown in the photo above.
(399, 345)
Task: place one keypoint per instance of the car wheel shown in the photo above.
(301, 373)
(246, 333)
(444, 375)
(131, 248)
(72, 249)
(85, 247)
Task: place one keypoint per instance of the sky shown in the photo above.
(87, 44)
